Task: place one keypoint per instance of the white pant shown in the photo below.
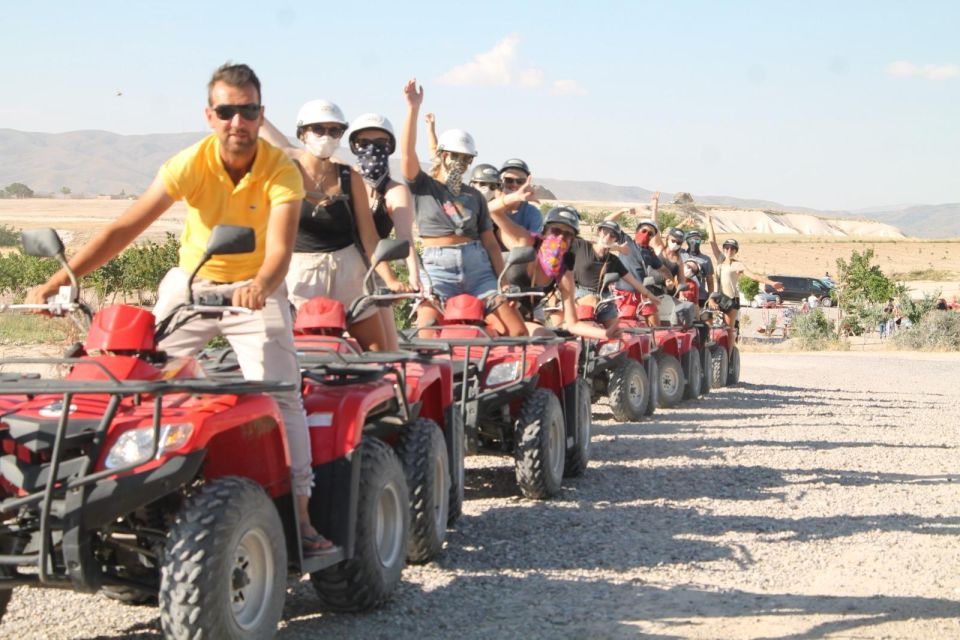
(263, 342)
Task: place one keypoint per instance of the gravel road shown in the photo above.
(817, 499)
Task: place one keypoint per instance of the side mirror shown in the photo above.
(609, 279)
(520, 255)
(683, 287)
(389, 250)
(649, 281)
(228, 239)
(42, 243)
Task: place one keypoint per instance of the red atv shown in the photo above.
(620, 368)
(142, 475)
(430, 443)
(517, 395)
(725, 355)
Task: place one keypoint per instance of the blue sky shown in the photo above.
(822, 104)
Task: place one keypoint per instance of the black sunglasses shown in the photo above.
(382, 143)
(333, 130)
(560, 231)
(514, 181)
(228, 111)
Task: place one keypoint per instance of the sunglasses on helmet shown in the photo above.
(228, 111)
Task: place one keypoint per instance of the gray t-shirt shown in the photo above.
(439, 213)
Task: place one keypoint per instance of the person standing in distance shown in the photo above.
(229, 177)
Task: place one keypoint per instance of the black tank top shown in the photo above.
(382, 219)
(327, 228)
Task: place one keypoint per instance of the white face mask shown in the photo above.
(688, 273)
(320, 146)
(673, 245)
(487, 192)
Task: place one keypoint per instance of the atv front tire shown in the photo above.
(423, 454)
(578, 455)
(629, 391)
(670, 380)
(540, 448)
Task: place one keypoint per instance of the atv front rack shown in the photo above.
(64, 488)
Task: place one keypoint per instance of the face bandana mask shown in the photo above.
(374, 165)
(320, 146)
(550, 255)
(487, 192)
(642, 239)
(455, 171)
(694, 247)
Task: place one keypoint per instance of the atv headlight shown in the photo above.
(503, 373)
(610, 348)
(133, 447)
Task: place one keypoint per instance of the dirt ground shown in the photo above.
(818, 499)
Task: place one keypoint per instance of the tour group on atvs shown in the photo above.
(152, 477)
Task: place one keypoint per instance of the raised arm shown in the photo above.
(655, 206)
(616, 214)
(764, 279)
(272, 135)
(409, 163)
(712, 237)
(113, 239)
(431, 133)
(513, 235)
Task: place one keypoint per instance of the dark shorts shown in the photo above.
(726, 303)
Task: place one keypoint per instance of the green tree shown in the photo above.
(18, 190)
(66, 191)
(748, 286)
(858, 278)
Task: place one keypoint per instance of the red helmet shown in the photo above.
(121, 327)
(464, 308)
(320, 315)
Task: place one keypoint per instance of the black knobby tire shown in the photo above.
(706, 362)
(694, 385)
(382, 529)
(578, 455)
(733, 371)
(456, 450)
(670, 380)
(653, 377)
(720, 366)
(538, 454)
(423, 454)
(225, 568)
(629, 391)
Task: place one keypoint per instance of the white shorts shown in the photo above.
(337, 275)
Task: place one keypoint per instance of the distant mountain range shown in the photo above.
(100, 162)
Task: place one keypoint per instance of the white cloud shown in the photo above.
(501, 67)
(497, 67)
(567, 88)
(904, 69)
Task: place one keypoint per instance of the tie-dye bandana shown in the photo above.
(550, 255)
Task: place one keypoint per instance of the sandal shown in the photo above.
(315, 544)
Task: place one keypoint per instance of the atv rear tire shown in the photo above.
(382, 530)
(225, 567)
(456, 450)
(653, 377)
(578, 456)
(733, 371)
(720, 366)
(423, 454)
(670, 380)
(540, 445)
(629, 391)
(706, 362)
(694, 386)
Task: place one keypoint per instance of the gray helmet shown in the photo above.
(613, 228)
(694, 235)
(675, 234)
(731, 243)
(486, 173)
(563, 215)
(649, 223)
(515, 163)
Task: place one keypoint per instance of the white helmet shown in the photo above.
(457, 141)
(317, 111)
(372, 121)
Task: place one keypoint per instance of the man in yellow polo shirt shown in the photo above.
(229, 177)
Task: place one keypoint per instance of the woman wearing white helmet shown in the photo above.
(335, 223)
(460, 253)
(373, 142)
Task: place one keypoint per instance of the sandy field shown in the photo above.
(818, 499)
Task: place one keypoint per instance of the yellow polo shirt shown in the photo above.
(196, 175)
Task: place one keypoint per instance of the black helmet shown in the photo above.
(675, 234)
(485, 173)
(563, 215)
(613, 228)
(515, 163)
(694, 235)
(731, 243)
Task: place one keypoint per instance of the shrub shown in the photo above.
(812, 331)
(937, 330)
(9, 237)
(748, 286)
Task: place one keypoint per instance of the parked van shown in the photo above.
(799, 288)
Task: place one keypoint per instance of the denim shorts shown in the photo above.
(462, 268)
